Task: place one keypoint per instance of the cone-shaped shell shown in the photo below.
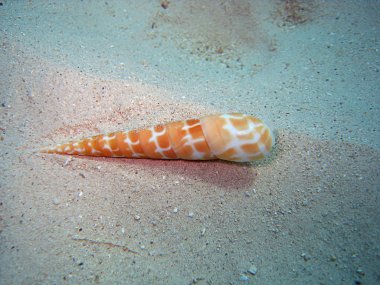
(233, 137)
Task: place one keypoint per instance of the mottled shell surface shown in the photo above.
(233, 137)
(237, 137)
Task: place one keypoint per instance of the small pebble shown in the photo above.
(332, 258)
(191, 214)
(175, 210)
(305, 256)
(165, 4)
(137, 217)
(56, 201)
(252, 270)
(360, 271)
(243, 277)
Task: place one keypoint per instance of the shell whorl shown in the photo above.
(233, 137)
(237, 137)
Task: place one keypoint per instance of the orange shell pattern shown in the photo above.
(233, 137)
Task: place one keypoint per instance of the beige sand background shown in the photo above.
(308, 214)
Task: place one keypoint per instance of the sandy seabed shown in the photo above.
(307, 214)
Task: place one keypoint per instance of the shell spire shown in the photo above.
(233, 137)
